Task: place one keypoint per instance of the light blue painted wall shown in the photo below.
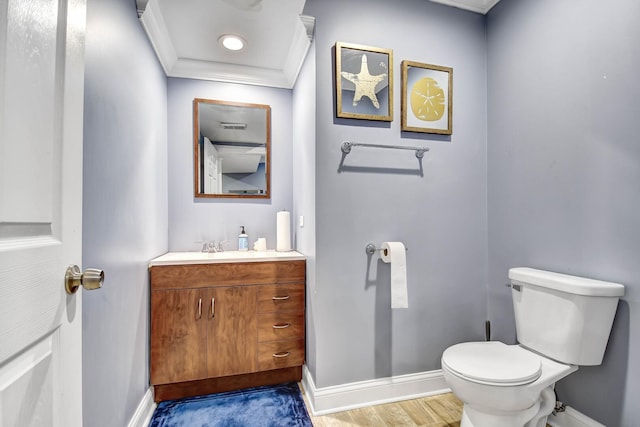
(380, 196)
(124, 207)
(564, 171)
(304, 186)
(193, 220)
(561, 188)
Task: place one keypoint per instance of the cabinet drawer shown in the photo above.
(225, 274)
(280, 326)
(288, 297)
(280, 354)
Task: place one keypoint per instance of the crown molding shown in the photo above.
(477, 6)
(309, 23)
(229, 73)
(154, 24)
(140, 6)
(297, 53)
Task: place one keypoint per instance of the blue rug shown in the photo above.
(270, 406)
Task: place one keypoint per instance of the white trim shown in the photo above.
(297, 53)
(155, 26)
(345, 397)
(144, 412)
(229, 73)
(478, 6)
(153, 23)
(572, 418)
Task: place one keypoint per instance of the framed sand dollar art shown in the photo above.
(427, 98)
(364, 82)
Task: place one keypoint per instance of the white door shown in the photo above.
(212, 171)
(41, 109)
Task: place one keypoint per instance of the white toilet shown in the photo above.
(562, 322)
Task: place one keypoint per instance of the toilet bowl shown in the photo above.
(562, 322)
(502, 385)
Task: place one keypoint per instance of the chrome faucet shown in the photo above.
(212, 247)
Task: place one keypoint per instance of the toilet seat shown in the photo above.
(492, 363)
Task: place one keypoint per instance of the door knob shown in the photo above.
(91, 279)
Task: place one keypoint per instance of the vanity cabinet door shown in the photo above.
(178, 331)
(232, 332)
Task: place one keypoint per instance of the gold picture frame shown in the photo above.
(364, 82)
(427, 98)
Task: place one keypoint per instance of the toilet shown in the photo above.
(562, 322)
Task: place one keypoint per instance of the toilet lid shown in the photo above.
(493, 362)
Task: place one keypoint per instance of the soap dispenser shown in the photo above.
(243, 240)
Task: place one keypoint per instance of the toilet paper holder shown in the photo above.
(371, 249)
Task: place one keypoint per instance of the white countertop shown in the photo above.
(177, 258)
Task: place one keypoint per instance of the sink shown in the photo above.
(175, 258)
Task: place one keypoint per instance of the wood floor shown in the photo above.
(434, 411)
(442, 410)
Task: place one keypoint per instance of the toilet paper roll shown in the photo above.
(395, 254)
(283, 232)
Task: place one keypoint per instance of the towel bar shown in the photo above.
(419, 151)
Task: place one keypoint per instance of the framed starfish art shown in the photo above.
(364, 82)
(427, 98)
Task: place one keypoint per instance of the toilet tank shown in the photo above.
(566, 318)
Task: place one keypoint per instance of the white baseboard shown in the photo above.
(144, 412)
(345, 397)
(572, 418)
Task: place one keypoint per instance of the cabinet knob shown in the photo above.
(280, 298)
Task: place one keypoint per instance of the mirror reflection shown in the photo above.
(232, 144)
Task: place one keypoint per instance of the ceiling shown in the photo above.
(185, 34)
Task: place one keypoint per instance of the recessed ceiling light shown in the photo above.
(232, 42)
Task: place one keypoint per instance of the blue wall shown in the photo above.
(193, 220)
(541, 170)
(124, 207)
(379, 195)
(564, 171)
(304, 186)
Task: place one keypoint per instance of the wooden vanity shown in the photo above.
(225, 321)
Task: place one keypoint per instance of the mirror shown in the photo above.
(231, 146)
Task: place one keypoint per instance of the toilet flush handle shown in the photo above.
(515, 287)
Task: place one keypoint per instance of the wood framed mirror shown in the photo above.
(231, 149)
